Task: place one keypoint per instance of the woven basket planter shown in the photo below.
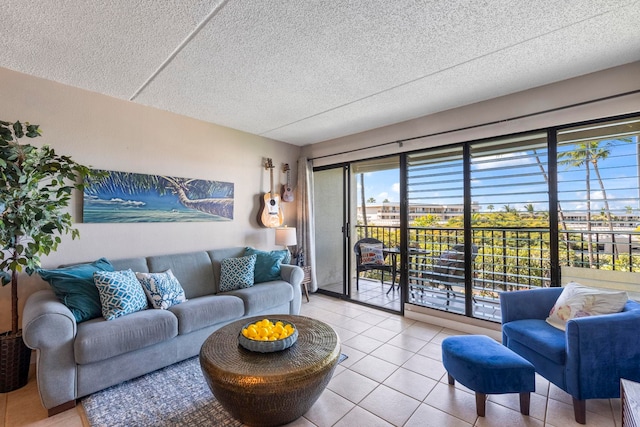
(15, 357)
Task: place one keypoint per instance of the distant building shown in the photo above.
(388, 213)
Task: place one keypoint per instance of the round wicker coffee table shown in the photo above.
(270, 389)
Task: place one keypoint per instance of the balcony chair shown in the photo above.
(587, 360)
(378, 264)
(448, 269)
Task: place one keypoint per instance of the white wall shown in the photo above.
(587, 97)
(107, 133)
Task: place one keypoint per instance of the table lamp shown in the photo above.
(286, 236)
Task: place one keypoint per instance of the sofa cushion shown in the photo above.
(162, 289)
(539, 336)
(237, 273)
(267, 263)
(99, 339)
(193, 270)
(263, 296)
(120, 293)
(74, 287)
(201, 312)
(582, 301)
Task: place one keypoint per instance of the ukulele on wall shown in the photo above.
(271, 215)
(287, 193)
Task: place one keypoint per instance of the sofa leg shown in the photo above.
(61, 408)
(580, 410)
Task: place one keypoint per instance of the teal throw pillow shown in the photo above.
(75, 288)
(268, 263)
(237, 273)
(163, 289)
(120, 293)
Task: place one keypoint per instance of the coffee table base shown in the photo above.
(275, 388)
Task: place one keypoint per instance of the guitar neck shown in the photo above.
(271, 181)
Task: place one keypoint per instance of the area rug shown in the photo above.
(175, 396)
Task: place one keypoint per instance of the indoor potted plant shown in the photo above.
(35, 188)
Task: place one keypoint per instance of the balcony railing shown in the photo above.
(507, 259)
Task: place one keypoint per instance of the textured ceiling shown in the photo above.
(304, 71)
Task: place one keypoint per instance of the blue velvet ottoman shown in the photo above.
(487, 367)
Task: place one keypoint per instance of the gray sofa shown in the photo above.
(77, 359)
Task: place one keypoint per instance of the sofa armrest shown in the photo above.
(529, 304)
(294, 275)
(600, 351)
(49, 327)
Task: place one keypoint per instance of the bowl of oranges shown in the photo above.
(268, 335)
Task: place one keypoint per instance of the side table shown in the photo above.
(306, 280)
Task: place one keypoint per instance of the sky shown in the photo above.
(505, 185)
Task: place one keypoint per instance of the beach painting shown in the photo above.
(133, 197)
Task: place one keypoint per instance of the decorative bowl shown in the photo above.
(268, 346)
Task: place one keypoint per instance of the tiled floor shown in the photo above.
(393, 377)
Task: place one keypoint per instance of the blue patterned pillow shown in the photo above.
(237, 273)
(120, 293)
(163, 289)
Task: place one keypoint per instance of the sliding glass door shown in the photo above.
(331, 187)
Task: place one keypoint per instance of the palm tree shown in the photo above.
(530, 209)
(588, 154)
(364, 207)
(490, 207)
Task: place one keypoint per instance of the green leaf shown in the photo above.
(17, 130)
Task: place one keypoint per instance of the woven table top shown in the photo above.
(316, 348)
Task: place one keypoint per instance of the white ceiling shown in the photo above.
(304, 71)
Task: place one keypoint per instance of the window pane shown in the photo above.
(598, 194)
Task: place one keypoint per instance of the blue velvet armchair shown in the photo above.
(587, 360)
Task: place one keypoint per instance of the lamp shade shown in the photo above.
(286, 236)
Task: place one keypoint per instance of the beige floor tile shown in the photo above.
(301, 422)
(371, 318)
(390, 405)
(423, 331)
(453, 401)
(501, 416)
(428, 416)
(393, 354)
(432, 350)
(374, 368)
(410, 383)
(537, 406)
(561, 414)
(542, 386)
(355, 326)
(359, 417)
(425, 366)
(351, 385)
(343, 334)
(328, 409)
(364, 344)
(396, 324)
(380, 334)
(442, 335)
(408, 343)
(353, 355)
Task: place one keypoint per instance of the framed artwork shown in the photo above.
(134, 197)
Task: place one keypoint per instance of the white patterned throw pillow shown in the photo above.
(237, 273)
(582, 301)
(120, 293)
(163, 289)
